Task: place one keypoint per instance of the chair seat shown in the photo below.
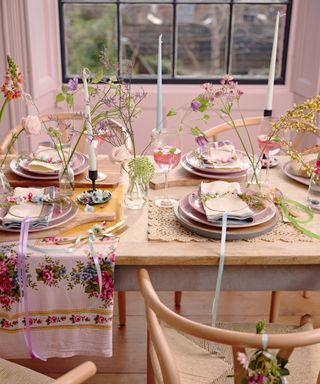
(196, 364)
(11, 373)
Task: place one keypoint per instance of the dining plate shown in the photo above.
(16, 168)
(78, 161)
(197, 164)
(286, 169)
(210, 175)
(187, 206)
(61, 214)
(232, 233)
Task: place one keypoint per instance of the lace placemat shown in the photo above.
(163, 226)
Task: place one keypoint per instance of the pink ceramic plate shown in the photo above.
(187, 206)
(78, 161)
(197, 164)
(210, 175)
(62, 213)
(299, 179)
(18, 170)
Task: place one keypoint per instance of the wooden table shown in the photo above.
(257, 266)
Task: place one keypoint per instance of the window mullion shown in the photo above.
(174, 39)
(230, 29)
(119, 59)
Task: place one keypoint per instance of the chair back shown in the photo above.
(62, 120)
(156, 311)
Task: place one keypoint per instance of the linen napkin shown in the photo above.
(39, 213)
(221, 154)
(46, 159)
(220, 197)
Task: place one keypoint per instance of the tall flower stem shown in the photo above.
(12, 141)
(6, 101)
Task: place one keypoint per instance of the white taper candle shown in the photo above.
(273, 65)
(159, 86)
(87, 111)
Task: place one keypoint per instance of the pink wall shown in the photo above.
(32, 35)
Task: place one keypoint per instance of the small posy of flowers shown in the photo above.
(31, 198)
(263, 366)
(98, 196)
(51, 272)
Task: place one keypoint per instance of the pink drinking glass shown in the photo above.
(167, 155)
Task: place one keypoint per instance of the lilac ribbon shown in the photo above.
(21, 267)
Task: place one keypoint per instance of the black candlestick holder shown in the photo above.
(93, 175)
(94, 196)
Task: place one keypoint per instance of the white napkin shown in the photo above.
(225, 198)
(39, 214)
(222, 154)
(49, 159)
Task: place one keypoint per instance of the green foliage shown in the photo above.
(141, 168)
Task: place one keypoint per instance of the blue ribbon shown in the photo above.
(96, 261)
(220, 270)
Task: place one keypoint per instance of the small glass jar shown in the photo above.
(66, 180)
(313, 196)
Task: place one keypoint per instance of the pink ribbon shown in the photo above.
(21, 266)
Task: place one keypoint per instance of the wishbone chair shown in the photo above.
(11, 373)
(180, 350)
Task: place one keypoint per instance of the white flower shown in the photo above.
(243, 360)
(31, 124)
(120, 154)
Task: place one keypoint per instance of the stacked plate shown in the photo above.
(21, 167)
(193, 164)
(61, 214)
(190, 213)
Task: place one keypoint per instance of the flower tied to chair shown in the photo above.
(21, 266)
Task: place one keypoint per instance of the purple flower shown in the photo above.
(195, 105)
(201, 140)
(73, 84)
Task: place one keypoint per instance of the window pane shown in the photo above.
(201, 41)
(262, 1)
(141, 26)
(86, 35)
(253, 38)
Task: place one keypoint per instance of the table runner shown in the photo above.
(67, 316)
(163, 226)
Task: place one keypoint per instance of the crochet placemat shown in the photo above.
(164, 226)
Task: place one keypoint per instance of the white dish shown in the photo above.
(286, 169)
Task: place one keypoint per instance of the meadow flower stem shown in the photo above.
(6, 101)
(12, 141)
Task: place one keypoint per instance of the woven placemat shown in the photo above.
(164, 226)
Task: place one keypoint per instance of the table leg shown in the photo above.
(177, 298)
(274, 306)
(122, 308)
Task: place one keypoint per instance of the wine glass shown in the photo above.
(167, 155)
(269, 143)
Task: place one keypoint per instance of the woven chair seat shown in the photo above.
(11, 373)
(203, 362)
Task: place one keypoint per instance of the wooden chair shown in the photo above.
(180, 350)
(11, 373)
(64, 118)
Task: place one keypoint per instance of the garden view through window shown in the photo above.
(202, 39)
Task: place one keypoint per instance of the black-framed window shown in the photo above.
(202, 39)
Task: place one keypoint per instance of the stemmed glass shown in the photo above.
(269, 143)
(167, 155)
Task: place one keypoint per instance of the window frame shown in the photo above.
(180, 80)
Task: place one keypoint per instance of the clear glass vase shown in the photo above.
(253, 178)
(136, 195)
(66, 180)
(5, 187)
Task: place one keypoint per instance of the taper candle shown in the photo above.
(272, 68)
(159, 87)
(91, 152)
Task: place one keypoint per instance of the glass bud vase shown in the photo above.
(313, 196)
(252, 180)
(5, 187)
(136, 195)
(66, 180)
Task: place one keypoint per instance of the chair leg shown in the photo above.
(306, 294)
(122, 308)
(274, 306)
(150, 373)
(177, 298)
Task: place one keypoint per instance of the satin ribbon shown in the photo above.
(264, 341)
(22, 277)
(220, 270)
(96, 261)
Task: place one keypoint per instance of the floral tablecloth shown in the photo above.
(67, 314)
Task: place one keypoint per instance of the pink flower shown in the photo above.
(107, 285)
(12, 86)
(5, 283)
(3, 268)
(52, 319)
(207, 87)
(120, 154)
(29, 196)
(5, 323)
(30, 321)
(101, 320)
(77, 318)
(5, 300)
(31, 124)
(11, 199)
(112, 257)
(243, 360)
(227, 78)
(47, 276)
